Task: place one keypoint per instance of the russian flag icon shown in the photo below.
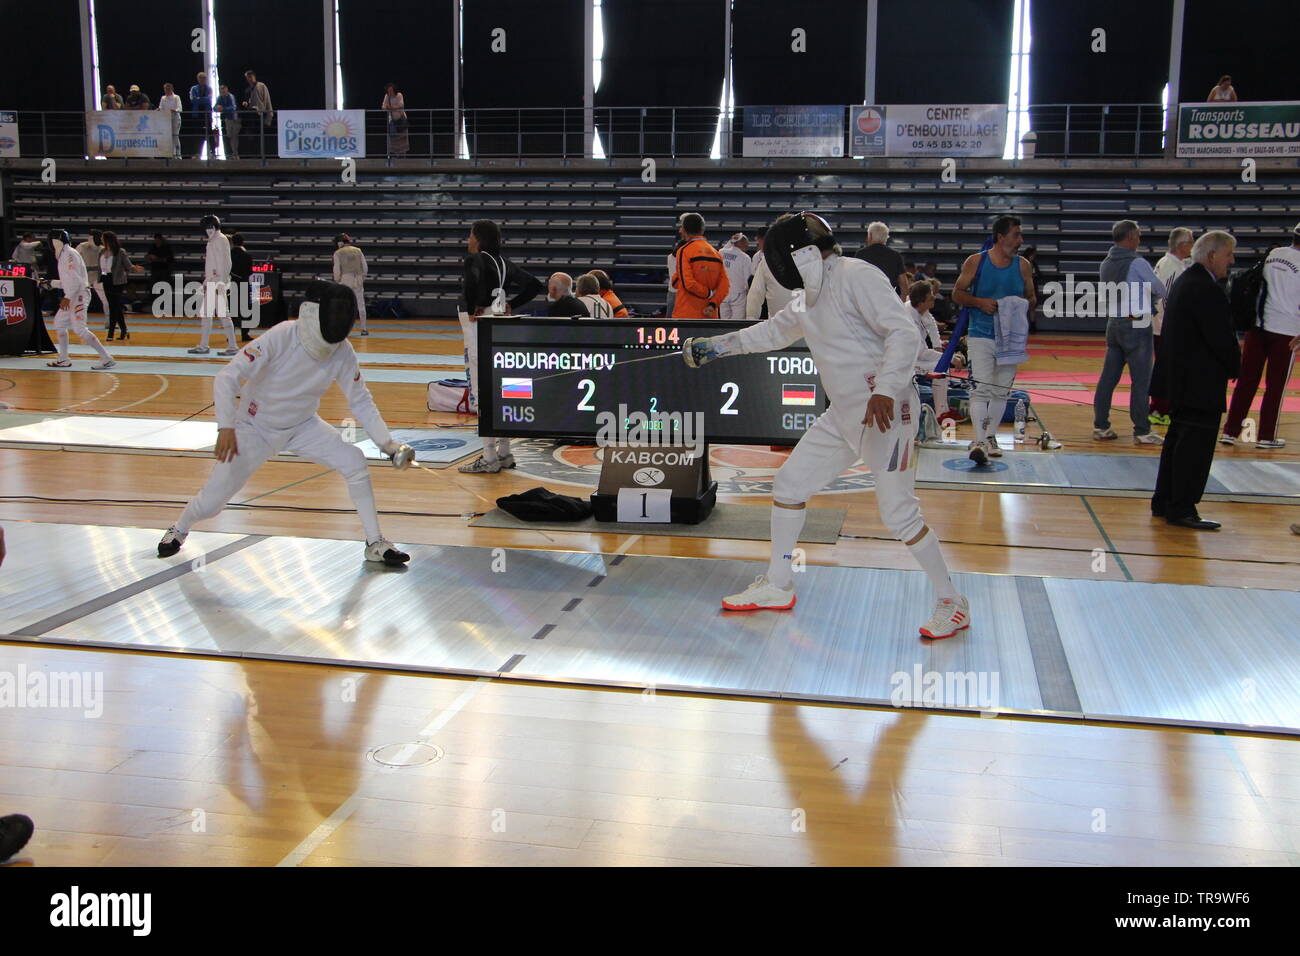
(517, 388)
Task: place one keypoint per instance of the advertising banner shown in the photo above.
(129, 133)
(322, 134)
(942, 129)
(794, 131)
(1239, 129)
(8, 134)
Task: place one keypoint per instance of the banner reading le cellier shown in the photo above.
(1239, 129)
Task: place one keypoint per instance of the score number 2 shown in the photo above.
(730, 389)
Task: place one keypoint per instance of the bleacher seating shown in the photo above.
(413, 225)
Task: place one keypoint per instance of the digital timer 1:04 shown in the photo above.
(659, 335)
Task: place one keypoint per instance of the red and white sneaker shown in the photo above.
(762, 595)
(948, 618)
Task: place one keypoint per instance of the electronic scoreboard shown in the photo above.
(567, 377)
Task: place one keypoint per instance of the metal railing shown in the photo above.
(1063, 130)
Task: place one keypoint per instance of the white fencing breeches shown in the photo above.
(313, 440)
(215, 303)
(355, 284)
(493, 448)
(732, 309)
(74, 318)
(926, 362)
(992, 387)
(838, 439)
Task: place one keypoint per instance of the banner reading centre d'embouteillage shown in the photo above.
(933, 129)
(322, 134)
(1239, 129)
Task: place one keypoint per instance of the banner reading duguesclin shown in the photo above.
(1239, 129)
(930, 129)
(129, 133)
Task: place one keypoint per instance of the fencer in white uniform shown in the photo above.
(865, 347)
(740, 269)
(351, 269)
(266, 403)
(920, 302)
(73, 304)
(216, 288)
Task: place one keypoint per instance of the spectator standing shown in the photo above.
(561, 303)
(161, 259)
(110, 100)
(986, 279)
(1269, 344)
(241, 270)
(89, 252)
(592, 302)
(171, 103)
(1199, 355)
(887, 260)
(1223, 91)
(25, 250)
(740, 270)
(766, 296)
(399, 140)
(200, 118)
(115, 267)
(1128, 336)
(699, 275)
(616, 307)
(228, 114)
(135, 100)
(672, 283)
(1169, 268)
(260, 120)
(920, 301)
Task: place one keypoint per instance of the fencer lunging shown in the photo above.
(73, 304)
(865, 346)
(266, 401)
(216, 288)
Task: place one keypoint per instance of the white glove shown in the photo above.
(699, 351)
(402, 455)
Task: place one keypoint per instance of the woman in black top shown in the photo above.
(115, 269)
(488, 279)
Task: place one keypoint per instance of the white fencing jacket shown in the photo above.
(216, 261)
(859, 333)
(765, 288)
(275, 383)
(72, 273)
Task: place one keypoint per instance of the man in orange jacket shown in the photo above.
(701, 278)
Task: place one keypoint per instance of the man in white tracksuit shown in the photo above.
(865, 346)
(216, 287)
(350, 269)
(266, 402)
(740, 269)
(72, 306)
(89, 252)
(765, 289)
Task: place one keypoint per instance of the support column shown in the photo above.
(89, 93)
(331, 57)
(873, 13)
(725, 151)
(457, 78)
(588, 80)
(1175, 69)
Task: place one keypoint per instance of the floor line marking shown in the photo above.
(1105, 537)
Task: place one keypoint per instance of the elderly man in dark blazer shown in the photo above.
(1199, 354)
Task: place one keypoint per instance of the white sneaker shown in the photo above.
(948, 618)
(977, 451)
(199, 350)
(171, 543)
(1226, 439)
(991, 444)
(1104, 434)
(480, 466)
(59, 363)
(762, 595)
(1268, 443)
(229, 352)
(1150, 438)
(383, 551)
(101, 366)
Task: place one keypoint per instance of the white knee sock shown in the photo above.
(979, 416)
(503, 447)
(787, 523)
(89, 338)
(997, 408)
(205, 331)
(62, 335)
(228, 325)
(930, 558)
(363, 498)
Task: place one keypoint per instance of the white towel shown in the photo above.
(1011, 331)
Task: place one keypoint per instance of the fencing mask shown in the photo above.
(58, 239)
(793, 252)
(326, 317)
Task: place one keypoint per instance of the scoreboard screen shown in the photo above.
(567, 377)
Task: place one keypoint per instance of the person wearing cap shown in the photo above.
(135, 100)
(740, 270)
(699, 275)
(1272, 344)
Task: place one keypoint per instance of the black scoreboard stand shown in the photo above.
(23, 329)
(654, 484)
(267, 286)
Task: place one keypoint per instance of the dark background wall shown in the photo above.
(282, 41)
(1256, 41)
(943, 51)
(409, 42)
(44, 75)
(126, 33)
(1134, 68)
(767, 71)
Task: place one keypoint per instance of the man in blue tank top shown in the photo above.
(985, 278)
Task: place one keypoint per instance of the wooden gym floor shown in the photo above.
(258, 763)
